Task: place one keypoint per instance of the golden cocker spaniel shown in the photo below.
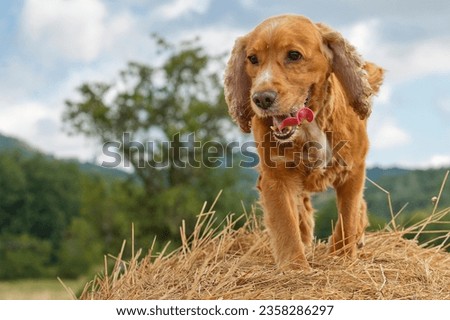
(305, 93)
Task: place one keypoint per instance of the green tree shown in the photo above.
(415, 188)
(39, 195)
(38, 199)
(24, 256)
(162, 115)
(53, 190)
(13, 187)
(81, 249)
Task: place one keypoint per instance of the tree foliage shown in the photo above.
(164, 116)
(414, 188)
(56, 220)
(153, 104)
(38, 199)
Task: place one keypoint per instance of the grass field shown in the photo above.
(39, 289)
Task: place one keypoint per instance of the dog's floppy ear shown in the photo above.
(348, 66)
(237, 86)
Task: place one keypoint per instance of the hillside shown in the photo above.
(414, 188)
(51, 208)
(411, 192)
(237, 264)
(11, 144)
(398, 181)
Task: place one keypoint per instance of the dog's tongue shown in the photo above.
(278, 120)
(303, 113)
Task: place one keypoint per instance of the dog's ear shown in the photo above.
(237, 86)
(375, 74)
(348, 66)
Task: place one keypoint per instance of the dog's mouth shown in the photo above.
(287, 131)
(284, 125)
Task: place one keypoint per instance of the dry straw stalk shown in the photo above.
(237, 264)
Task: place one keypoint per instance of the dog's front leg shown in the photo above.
(279, 201)
(352, 218)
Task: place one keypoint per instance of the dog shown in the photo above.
(284, 73)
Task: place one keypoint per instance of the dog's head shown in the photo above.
(283, 65)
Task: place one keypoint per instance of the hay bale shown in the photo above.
(237, 264)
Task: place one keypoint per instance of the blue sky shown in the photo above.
(49, 47)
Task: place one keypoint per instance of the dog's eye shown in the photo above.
(253, 59)
(294, 55)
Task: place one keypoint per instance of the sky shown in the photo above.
(50, 47)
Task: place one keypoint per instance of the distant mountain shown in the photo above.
(411, 188)
(12, 144)
(415, 187)
(376, 173)
(9, 143)
(92, 168)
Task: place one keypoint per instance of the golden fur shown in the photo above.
(299, 63)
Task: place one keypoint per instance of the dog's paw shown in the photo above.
(361, 242)
(296, 264)
(338, 247)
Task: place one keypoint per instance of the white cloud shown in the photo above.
(179, 8)
(118, 28)
(420, 58)
(214, 39)
(389, 135)
(403, 61)
(32, 122)
(18, 79)
(384, 95)
(438, 161)
(58, 32)
(28, 113)
(363, 35)
(73, 29)
(248, 4)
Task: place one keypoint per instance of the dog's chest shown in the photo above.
(309, 148)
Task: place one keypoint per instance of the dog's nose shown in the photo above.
(264, 99)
